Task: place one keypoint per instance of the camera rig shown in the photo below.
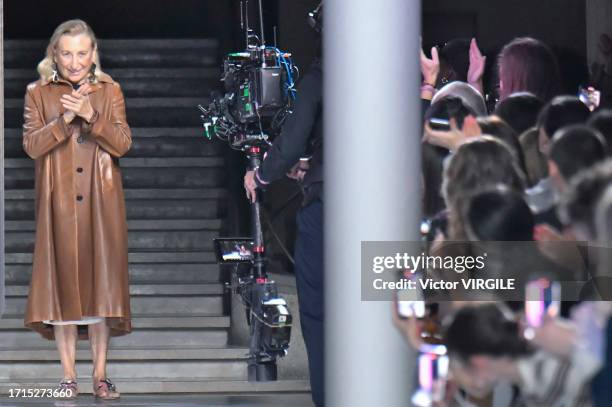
(259, 91)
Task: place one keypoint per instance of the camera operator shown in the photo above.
(302, 132)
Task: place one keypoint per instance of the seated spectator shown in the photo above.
(520, 110)
(486, 348)
(498, 128)
(454, 61)
(469, 95)
(482, 162)
(577, 205)
(561, 111)
(573, 149)
(528, 65)
(601, 120)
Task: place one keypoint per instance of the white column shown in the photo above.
(372, 188)
(2, 255)
(598, 21)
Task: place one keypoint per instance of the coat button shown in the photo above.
(79, 198)
(79, 169)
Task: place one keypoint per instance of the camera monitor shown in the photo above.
(234, 250)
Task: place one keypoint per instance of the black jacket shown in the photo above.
(302, 134)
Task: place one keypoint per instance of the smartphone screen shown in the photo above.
(432, 373)
(439, 124)
(590, 97)
(542, 297)
(410, 303)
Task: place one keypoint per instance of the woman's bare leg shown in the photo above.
(66, 340)
(99, 335)
(98, 338)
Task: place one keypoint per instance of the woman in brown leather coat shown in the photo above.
(75, 128)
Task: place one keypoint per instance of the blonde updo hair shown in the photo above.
(70, 27)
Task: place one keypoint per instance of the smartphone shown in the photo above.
(439, 124)
(542, 297)
(410, 302)
(590, 97)
(432, 375)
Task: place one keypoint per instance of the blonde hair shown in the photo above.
(70, 27)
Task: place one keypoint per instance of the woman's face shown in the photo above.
(74, 57)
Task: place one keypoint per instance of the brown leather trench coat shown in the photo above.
(80, 256)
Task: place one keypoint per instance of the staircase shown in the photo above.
(175, 190)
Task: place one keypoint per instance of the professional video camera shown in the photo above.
(259, 85)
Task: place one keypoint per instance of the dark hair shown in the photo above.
(560, 112)
(520, 110)
(577, 206)
(432, 165)
(455, 59)
(449, 107)
(480, 163)
(575, 148)
(529, 65)
(498, 128)
(602, 121)
(484, 329)
(499, 214)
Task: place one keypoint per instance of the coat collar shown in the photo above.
(100, 77)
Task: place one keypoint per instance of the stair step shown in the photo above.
(207, 193)
(138, 209)
(136, 57)
(138, 240)
(157, 273)
(168, 147)
(129, 73)
(161, 353)
(15, 323)
(138, 87)
(149, 163)
(142, 289)
(133, 225)
(139, 177)
(167, 305)
(136, 257)
(120, 45)
(137, 132)
(141, 112)
(175, 385)
(132, 103)
(119, 370)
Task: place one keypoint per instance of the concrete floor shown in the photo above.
(273, 400)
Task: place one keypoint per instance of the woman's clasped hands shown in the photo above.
(77, 103)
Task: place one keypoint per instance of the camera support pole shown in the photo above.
(260, 367)
(255, 156)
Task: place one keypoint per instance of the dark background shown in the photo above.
(559, 23)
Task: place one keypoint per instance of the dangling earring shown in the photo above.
(55, 75)
(92, 73)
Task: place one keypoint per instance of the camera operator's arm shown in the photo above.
(292, 142)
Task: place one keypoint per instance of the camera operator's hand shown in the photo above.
(477, 66)
(298, 171)
(250, 185)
